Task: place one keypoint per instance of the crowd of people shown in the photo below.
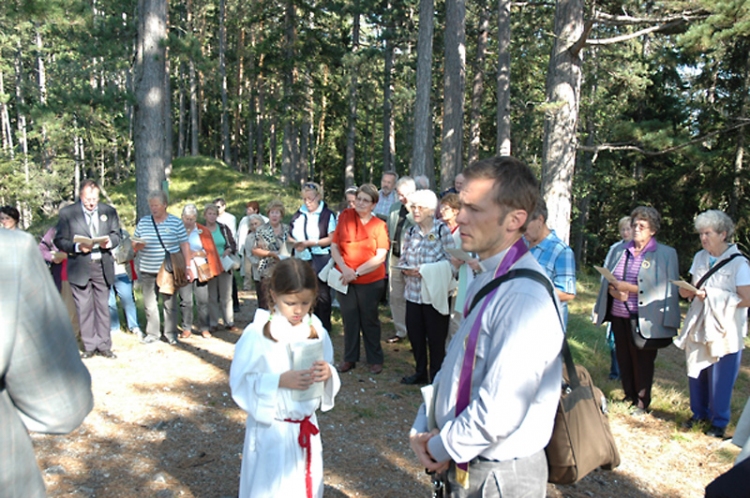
(484, 350)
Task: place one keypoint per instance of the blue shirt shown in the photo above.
(558, 261)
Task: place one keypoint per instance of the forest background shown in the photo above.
(614, 103)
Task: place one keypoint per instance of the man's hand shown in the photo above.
(418, 443)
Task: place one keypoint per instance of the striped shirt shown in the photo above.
(172, 233)
(633, 267)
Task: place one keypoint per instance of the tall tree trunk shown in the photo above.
(420, 163)
(477, 86)
(168, 133)
(225, 145)
(289, 144)
(351, 125)
(194, 126)
(150, 146)
(389, 129)
(502, 144)
(42, 85)
(739, 153)
(182, 111)
(7, 131)
(20, 111)
(561, 117)
(240, 88)
(261, 125)
(454, 85)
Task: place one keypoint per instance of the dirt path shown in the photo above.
(164, 425)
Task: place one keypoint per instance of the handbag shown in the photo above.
(204, 272)
(581, 438)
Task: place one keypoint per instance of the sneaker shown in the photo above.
(137, 332)
(149, 339)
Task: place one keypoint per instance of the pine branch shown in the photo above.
(596, 149)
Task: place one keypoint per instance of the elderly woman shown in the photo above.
(9, 217)
(716, 323)
(641, 303)
(310, 232)
(270, 240)
(250, 261)
(626, 235)
(426, 266)
(203, 255)
(450, 204)
(220, 286)
(359, 248)
(162, 233)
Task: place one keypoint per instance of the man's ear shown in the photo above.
(516, 219)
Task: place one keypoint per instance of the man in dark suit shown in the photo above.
(91, 268)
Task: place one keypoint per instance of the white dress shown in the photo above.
(273, 462)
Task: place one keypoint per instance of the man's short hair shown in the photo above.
(160, 195)
(516, 187)
(89, 183)
(540, 210)
(219, 201)
(390, 172)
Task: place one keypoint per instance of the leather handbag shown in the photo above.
(581, 438)
(172, 275)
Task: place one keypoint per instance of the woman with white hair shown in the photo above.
(713, 335)
(425, 263)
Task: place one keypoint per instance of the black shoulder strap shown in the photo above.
(716, 268)
(495, 283)
(573, 379)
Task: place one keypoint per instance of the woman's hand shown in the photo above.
(701, 294)
(297, 379)
(620, 296)
(137, 246)
(620, 286)
(199, 254)
(348, 275)
(321, 371)
(412, 273)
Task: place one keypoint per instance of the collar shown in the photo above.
(284, 332)
(650, 246)
(317, 211)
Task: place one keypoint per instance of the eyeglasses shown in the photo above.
(363, 200)
(641, 225)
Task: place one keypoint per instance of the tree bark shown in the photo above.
(289, 144)
(225, 144)
(150, 126)
(561, 116)
(502, 144)
(351, 125)
(389, 132)
(421, 155)
(7, 131)
(454, 85)
(477, 86)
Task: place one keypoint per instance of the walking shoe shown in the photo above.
(717, 432)
(108, 354)
(415, 379)
(345, 366)
(149, 339)
(393, 340)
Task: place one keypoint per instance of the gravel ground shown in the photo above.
(165, 425)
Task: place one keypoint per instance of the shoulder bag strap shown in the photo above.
(159, 236)
(536, 276)
(716, 268)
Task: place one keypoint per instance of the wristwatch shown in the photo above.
(356, 273)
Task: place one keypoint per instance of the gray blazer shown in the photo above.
(658, 300)
(44, 386)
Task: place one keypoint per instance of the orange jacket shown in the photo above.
(207, 241)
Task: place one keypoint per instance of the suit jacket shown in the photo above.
(658, 299)
(44, 386)
(73, 222)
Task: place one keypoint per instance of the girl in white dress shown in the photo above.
(283, 455)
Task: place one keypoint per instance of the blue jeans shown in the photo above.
(124, 288)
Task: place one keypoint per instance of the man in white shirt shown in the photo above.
(496, 394)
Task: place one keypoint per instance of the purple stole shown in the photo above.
(515, 252)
